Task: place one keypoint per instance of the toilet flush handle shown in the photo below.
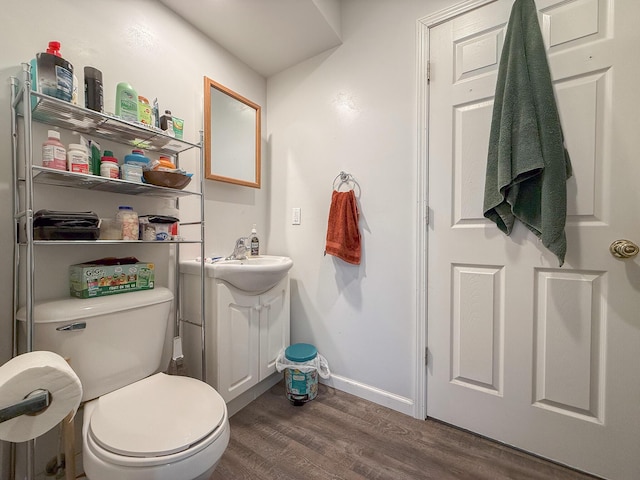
(72, 326)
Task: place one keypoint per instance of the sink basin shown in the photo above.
(254, 274)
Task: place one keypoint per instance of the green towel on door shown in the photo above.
(528, 165)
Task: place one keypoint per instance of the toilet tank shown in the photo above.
(109, 341)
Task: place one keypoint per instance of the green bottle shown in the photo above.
(126, 102)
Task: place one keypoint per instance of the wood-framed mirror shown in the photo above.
(231, 136)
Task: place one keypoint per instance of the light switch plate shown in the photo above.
(295, 216)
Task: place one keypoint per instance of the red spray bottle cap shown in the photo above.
(54, 48)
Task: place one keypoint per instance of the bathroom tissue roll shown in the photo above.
(32, 371)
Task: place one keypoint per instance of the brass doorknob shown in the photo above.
(623, 249)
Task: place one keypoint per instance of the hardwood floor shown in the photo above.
(339, 436)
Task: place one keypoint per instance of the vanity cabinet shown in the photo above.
(245, 332)
(250, 331)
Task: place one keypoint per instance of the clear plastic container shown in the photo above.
(131, 172)
(127, 218)
(110, 229)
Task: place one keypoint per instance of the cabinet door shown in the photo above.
(237, 329)
(274, 326)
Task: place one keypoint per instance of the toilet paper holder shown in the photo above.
(34, 403)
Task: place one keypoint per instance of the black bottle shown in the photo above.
(93, 89)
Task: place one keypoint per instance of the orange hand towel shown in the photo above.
(343, 234)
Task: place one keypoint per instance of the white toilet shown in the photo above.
(137, 425)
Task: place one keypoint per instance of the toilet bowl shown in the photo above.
(137, 424)
(146, 431)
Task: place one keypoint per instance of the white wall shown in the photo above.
(144, 43)
(353, 109)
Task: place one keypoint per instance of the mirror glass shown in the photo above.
(231, 136)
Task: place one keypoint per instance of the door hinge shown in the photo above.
(426, 216)
(428, 71)
(426, 355)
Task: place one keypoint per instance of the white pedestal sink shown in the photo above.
(252, 275)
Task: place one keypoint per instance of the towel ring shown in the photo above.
(346, 178)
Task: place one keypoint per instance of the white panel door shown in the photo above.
(540, 357)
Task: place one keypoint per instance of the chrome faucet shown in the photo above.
(240, 250)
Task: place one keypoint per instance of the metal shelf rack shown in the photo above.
(32, 107)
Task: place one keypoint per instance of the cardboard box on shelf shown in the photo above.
(93, 279)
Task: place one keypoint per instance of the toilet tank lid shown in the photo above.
(68, 309)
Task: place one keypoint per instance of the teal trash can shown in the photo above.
(301, 386)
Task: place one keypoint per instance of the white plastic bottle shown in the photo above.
(254, 242)
(109, 165)
(54, 155)
(77, 158)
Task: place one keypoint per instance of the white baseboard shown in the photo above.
(373, 394)
(381, 397)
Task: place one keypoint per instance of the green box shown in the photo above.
(88, 280)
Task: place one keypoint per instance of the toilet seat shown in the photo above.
(144, 423)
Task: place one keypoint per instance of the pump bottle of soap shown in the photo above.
(254, 242)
